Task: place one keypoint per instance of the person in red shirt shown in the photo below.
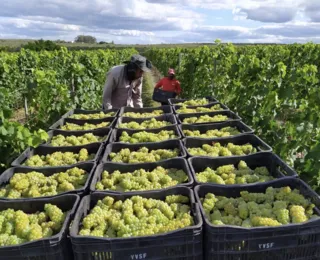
(170, 84)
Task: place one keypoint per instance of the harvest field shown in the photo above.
(269, 89)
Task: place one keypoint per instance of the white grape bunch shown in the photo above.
(72, 140)
(136, 216)
(143, 155)
(35, 184)
(59, 159)
(154, 113)
(100, 115)
(205, 119)
(185, 110)
(145, 137)
(194, 102)
(86, 126)
(213, 133)
(274, 207)
(216, 149)
(229, 174)
(148, 124)
(141, 179)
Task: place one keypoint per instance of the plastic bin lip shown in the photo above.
(255, 156)
(106, 132)
(14, 170)
(102, 167)
(166, 110)
(84, 111)
(115, 134)
(254, 229)
(237, 124)
(165, 117)
(63, 121)
(57, 237)
(176, 144)
(97, 147)
(194, 207)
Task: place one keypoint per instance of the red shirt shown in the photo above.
(170, 85)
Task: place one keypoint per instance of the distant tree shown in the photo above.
(102, 42)
(41, 45)
(85, 39)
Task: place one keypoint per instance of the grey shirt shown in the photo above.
(119, 92)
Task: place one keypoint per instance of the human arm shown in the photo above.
(159, 84)
(137, 96)
(107, 91)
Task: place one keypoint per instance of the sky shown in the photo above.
(163, 21)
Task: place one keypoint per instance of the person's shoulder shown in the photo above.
(116, 69)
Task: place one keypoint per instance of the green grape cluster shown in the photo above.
(205, 119)
(18, 227)
(229, 174)
(143, 115)
(216, 149)
(143, 155)
(136, 216)
(148, 124)
(72, 140)
(213, 133)
(92, 116)
(59, 159)
(86, 126)
(36, 184)
(141, 179)
(194, 102)
(145, 137)
(274, 207)
(185, 110)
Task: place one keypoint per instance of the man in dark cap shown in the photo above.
(124, 84)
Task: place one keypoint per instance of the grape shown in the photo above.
(216, 150)
(143, 155)
(154, 113)
(138, 217)
(58, 159)
(185, 110)
(194, 102)
(145, 137)
(229, 174)
(141, 179)
(92, 116)
(205, 119)
(149, 124)
(86, 126)
(17, 227)
(223, 132)
(88, 138)
(258, 209)
(36, 184)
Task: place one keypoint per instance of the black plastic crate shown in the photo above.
(287, 242)
(231, 117)
(277, 167)
(177, 107)
(177, 163)
(166, 117)
(181, 244)
(174, 101)
(101, 132)
(87, 112)
(95, 148)
(116, 133)
(166, 110)
(242, 128)
(56, 247)
(117, 147)
(63, 121)
(88, 167)
(254, 140)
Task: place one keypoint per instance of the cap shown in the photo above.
(141, 62)
(171, 71)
